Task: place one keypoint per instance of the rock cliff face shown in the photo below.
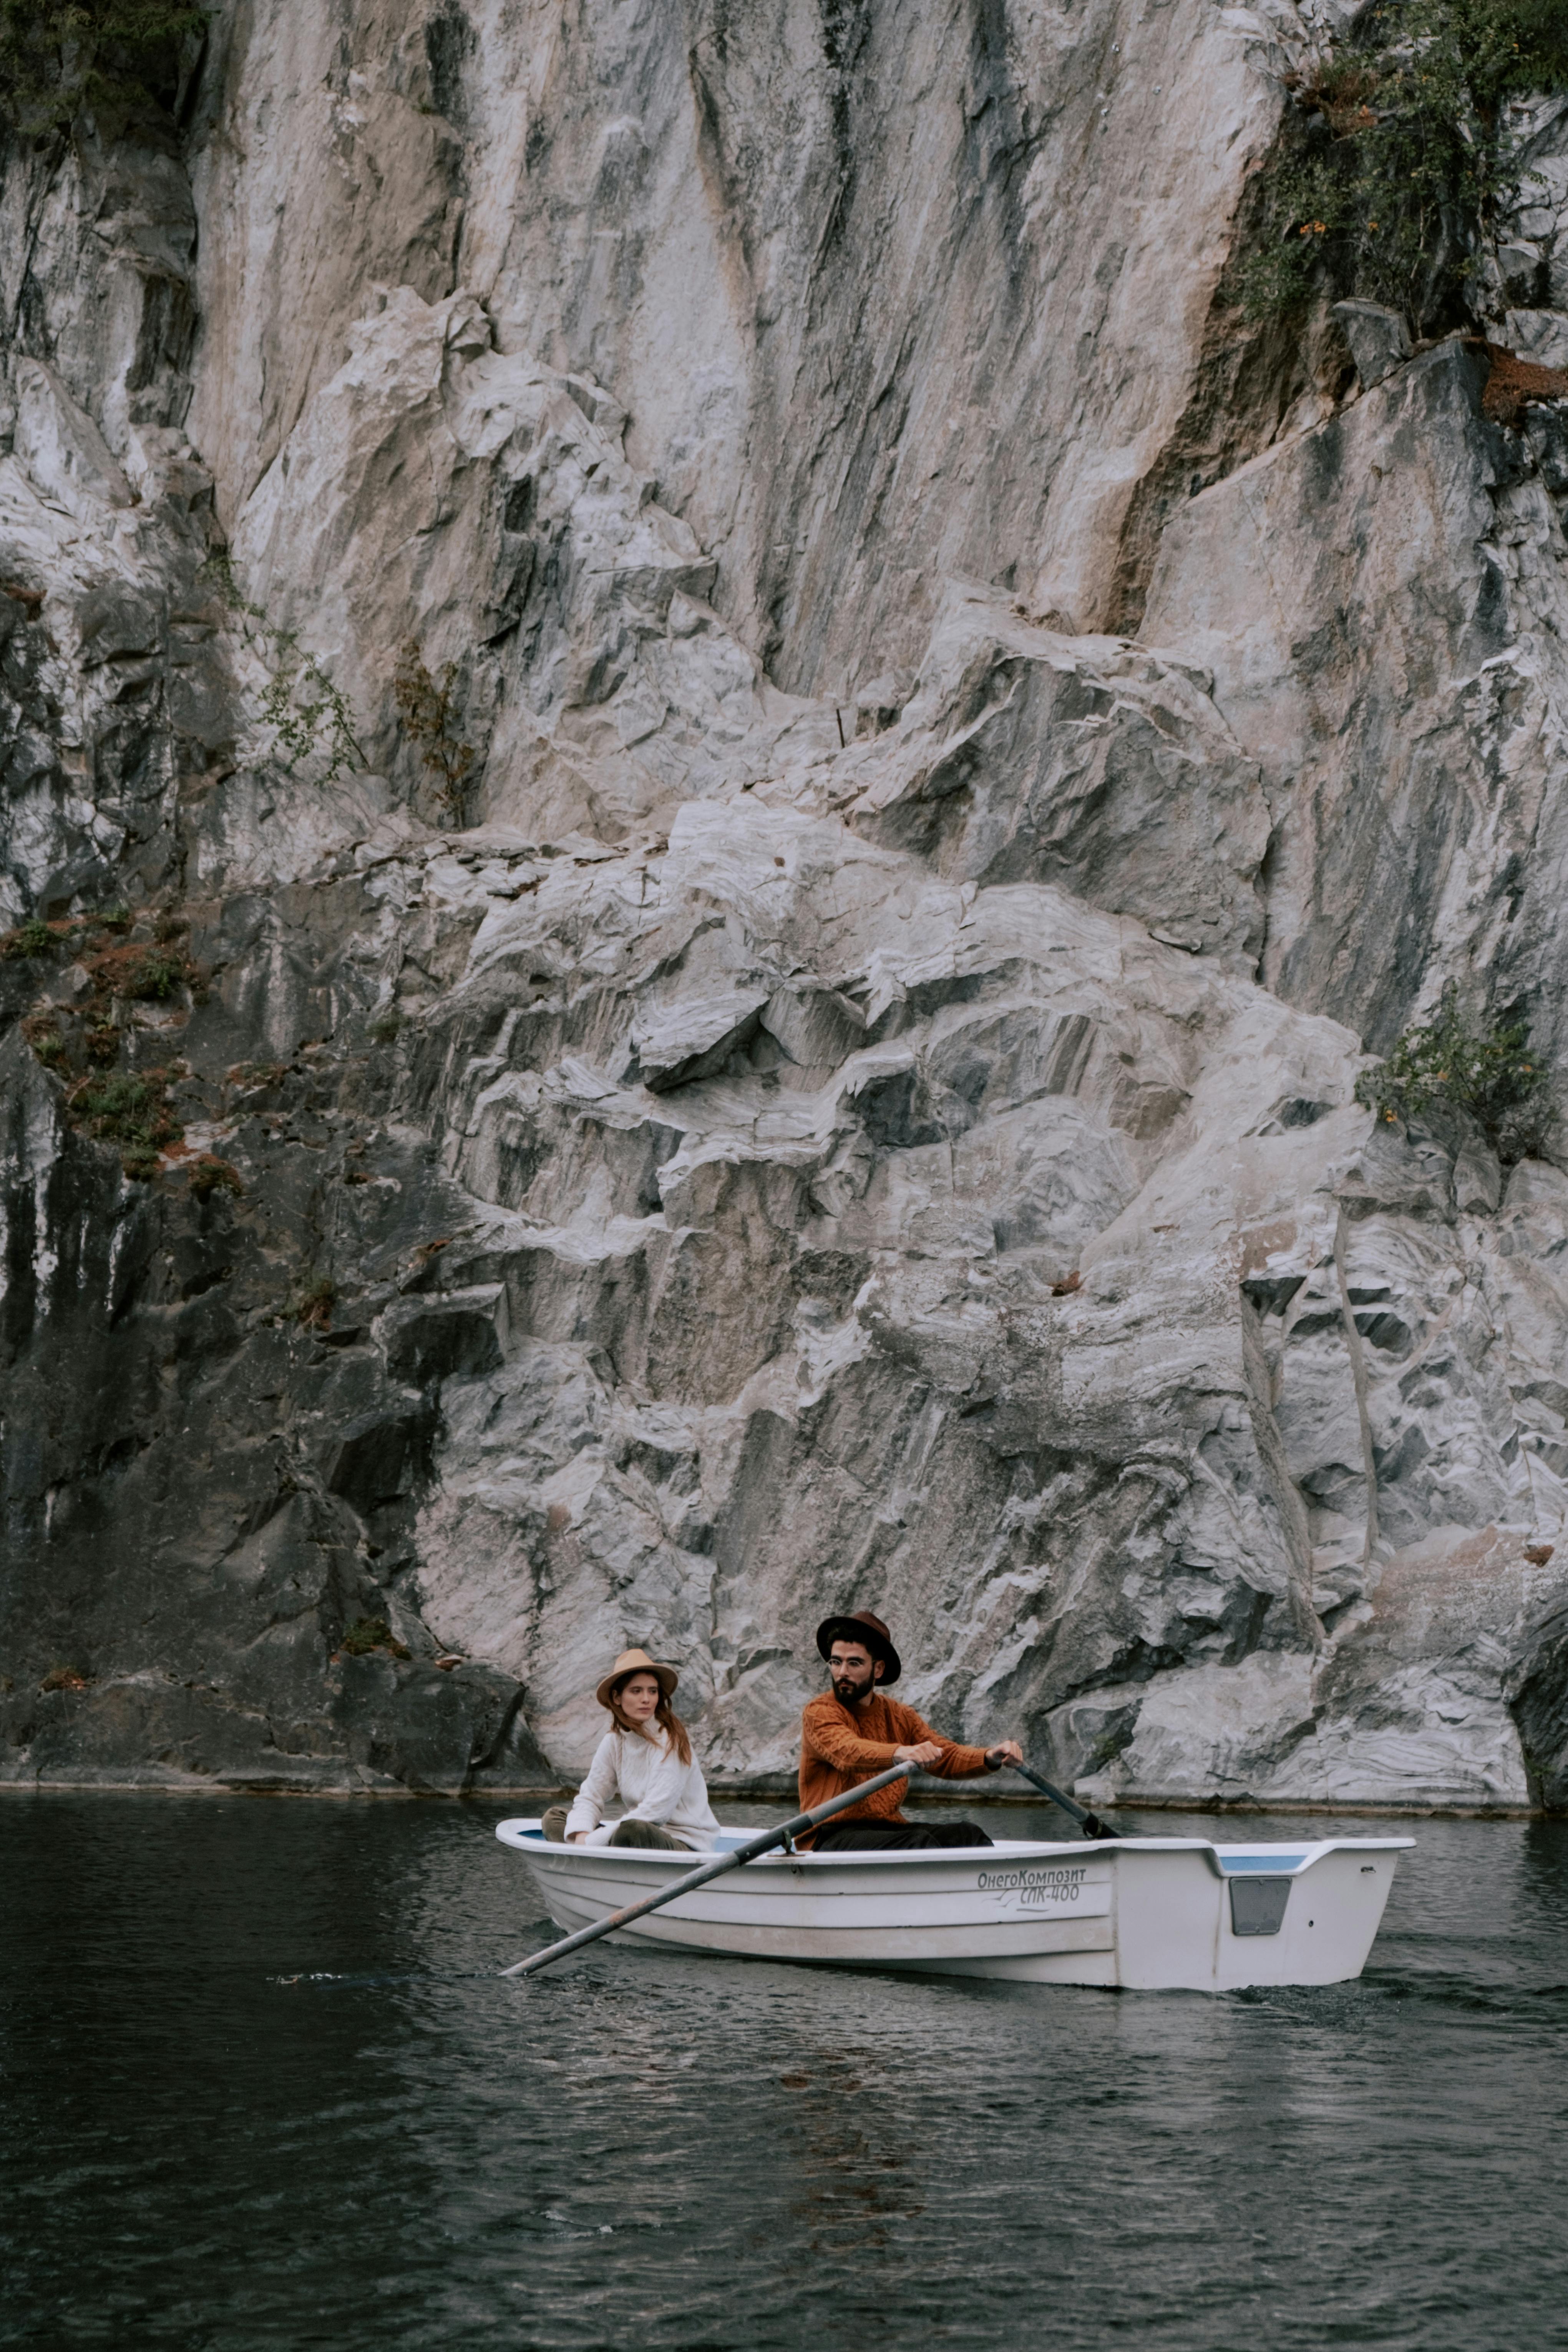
(709, 793)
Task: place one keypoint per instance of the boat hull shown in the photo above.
(1154, 1914)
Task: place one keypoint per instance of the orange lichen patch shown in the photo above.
(1514, 383)
(151, 974)
(36, 938)
(1258, 1243)
(208, 1174)
(252, 1077)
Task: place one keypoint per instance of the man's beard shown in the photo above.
(847, 1693)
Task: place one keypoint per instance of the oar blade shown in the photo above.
(1089, 1823)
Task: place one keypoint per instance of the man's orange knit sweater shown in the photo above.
(841, 1745)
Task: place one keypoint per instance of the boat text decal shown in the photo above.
(1064, 1885)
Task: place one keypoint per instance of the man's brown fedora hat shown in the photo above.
(864, 1628)
(637, 1662)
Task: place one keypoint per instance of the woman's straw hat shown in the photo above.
(637, 1662)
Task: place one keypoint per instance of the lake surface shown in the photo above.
(400, 2151)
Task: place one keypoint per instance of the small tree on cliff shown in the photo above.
(1489, 1072)
(427, 707)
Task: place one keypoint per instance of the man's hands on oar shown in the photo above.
(927, 1753)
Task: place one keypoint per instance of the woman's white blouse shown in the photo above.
(646, 1777)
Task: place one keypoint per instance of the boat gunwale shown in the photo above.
(1303, 1855)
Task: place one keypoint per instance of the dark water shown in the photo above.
(658, 2152)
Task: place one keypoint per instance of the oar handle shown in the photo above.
(761, 1844)
(1089, 1823)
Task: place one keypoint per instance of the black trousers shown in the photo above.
(887, 1837)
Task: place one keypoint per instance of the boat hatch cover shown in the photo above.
(1258, 1906)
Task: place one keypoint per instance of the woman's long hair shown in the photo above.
(663, 1714)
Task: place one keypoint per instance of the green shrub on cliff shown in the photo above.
(130, 1110)
(368, 1634)
(1489, 1072)
(306, 713)
(427, 706)
(1394, 155)
(31, 939)
(114, 58)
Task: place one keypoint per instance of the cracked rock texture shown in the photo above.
(842, 1090)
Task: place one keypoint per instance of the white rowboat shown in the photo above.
(1156, 1914)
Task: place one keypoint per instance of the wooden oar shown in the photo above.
(1089, 1823)
(761, 1844)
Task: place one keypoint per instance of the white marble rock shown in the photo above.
(855, 1101)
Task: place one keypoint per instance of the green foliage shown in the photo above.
(131, 1109)
(113, 59)
(1491, 1073)
(307, 715)
(32, 938)
(157, 976)
(367, 1633)
(311, 1307)
(42, 1032)
(1394, 155)
(210, 1174)
(145, 974)
(427, 707)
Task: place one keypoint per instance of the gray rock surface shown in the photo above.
(1378, 336)
(842, 1089)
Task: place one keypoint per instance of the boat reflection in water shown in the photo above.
(1152, 1914)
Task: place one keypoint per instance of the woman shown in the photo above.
(644, 1764)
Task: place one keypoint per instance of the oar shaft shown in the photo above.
(1049, 1789)
(761, 1844)
(1090, 1824)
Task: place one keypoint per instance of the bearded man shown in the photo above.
(854, 1731)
